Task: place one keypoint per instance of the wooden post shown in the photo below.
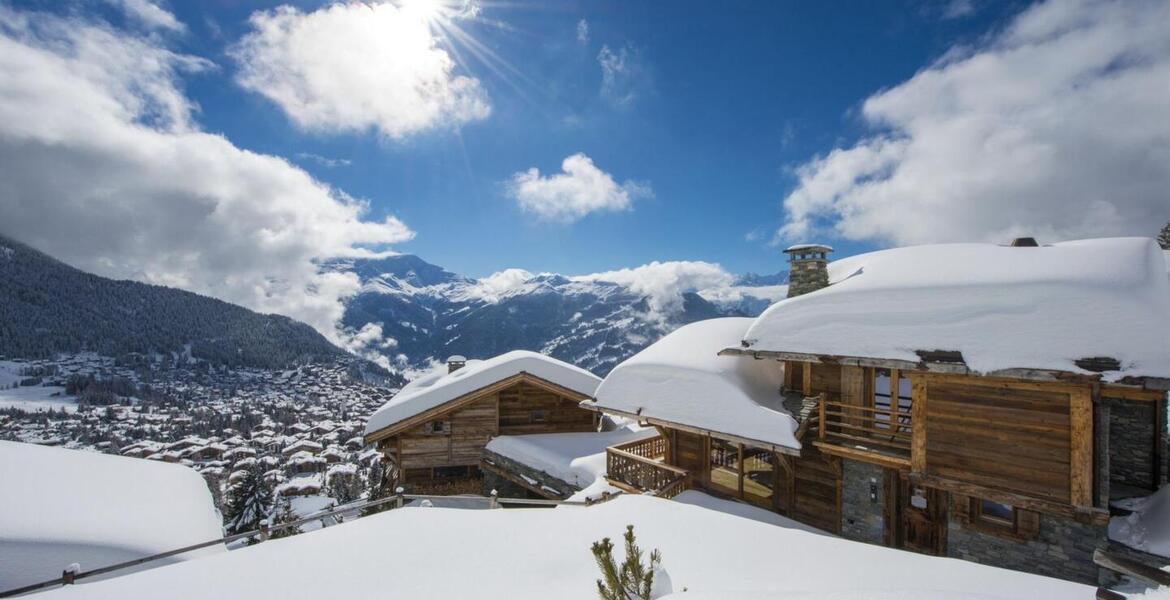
(1081, 442)
(401, 500)
(264, 533)
(69, 575)
(918, 394)
(494, 501)
(822, 425)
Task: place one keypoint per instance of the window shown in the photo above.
(539, 416)
(759, 476)
(996, 512)
(999, 518)
(438, 427)
(725, 466)
(450, 472)
(891, 399)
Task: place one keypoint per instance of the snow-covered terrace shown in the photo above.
(542, 553)
(1003, 310)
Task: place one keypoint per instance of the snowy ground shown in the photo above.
(538, 553)
(37, 399)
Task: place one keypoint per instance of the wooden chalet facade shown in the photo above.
(1013, 468)
(438, 449)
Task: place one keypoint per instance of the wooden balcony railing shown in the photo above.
(653, 448)
(883, 430)
(644, 474)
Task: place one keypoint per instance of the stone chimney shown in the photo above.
(808, 268)
(456, 362)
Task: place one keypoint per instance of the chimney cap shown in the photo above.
(1024, 242)
(456, 358)
(808, 248)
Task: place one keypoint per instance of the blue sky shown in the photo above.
(230, 147)
(728, 102)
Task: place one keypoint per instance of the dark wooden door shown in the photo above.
(919, 516)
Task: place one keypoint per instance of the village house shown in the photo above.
(976, 401)
(433, 432)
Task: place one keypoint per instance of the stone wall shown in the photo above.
(1063, 549)
(1131, 443)
(862, 517)
(807, 275)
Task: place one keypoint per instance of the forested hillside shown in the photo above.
(47, 306)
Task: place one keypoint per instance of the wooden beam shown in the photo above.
(918, 394)
(885, 460)
(1081, 448)
(1133, 568)
(1094, 516)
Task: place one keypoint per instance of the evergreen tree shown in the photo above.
(284, 514)
(633, 580)
(376, 488)
(251, 502)
(1164, 237)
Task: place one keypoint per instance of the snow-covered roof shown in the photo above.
(439, 387)
(1000, 307)
(575, 458)
(682, 379)
(61, 506)
(523, 554)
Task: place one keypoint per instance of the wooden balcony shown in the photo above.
(881, 435)
(636, 466)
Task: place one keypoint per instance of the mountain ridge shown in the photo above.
(425, 312)
(49, 307)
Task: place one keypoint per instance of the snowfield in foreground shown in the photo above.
(544, 553)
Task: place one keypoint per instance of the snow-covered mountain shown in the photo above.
(414, 312)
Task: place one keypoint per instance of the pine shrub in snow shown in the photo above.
(632, 579)
(251, 502)
(376, 489)
(1164, 237)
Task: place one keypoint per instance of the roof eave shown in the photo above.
(951, 367)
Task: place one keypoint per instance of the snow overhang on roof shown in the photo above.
(680, 379)
(440, 387)
(1098, 309)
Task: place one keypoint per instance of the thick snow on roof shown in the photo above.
(1001, 307)
(575, 458)
(62, 506)
(539, 554)
(681, 379)
(439, 387)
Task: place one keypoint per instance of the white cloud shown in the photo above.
(103, 166)
(1057, 127)
(663, 283)
(325, 161)
(579, 189)
(623, 76)
(149, 14)
(583, 31)
(357, 67)
(957, 9)
(497, 285)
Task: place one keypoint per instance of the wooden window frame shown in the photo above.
(1023, 526)
(444, 427)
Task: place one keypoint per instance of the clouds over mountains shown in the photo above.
(103, 164)
(1057, 127)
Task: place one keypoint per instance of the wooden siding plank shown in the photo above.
(1081, 441)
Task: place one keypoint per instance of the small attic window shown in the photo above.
(438, 427)
(539, 416)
